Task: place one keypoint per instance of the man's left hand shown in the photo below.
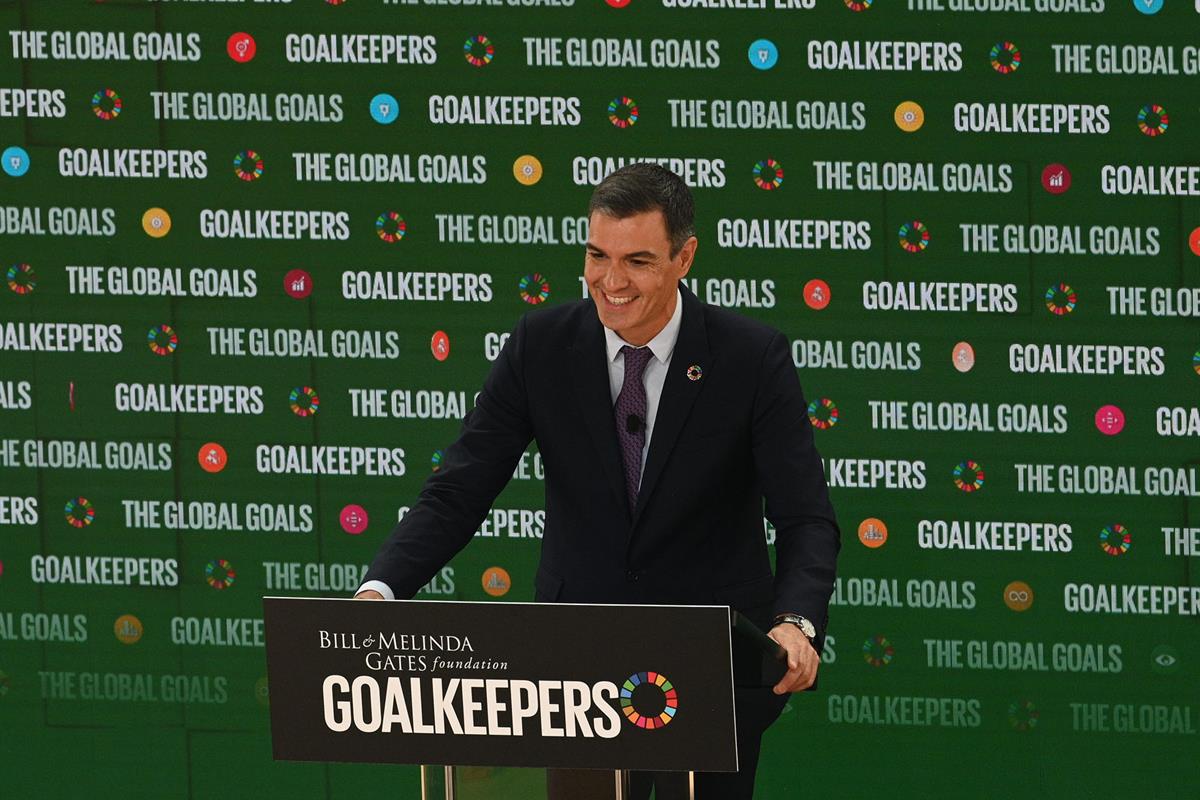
(802, 659)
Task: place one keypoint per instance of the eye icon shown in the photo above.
(1164, 660)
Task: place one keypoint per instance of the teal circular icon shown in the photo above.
(16, 161)
(384, 109)
(1148, 7)
(763, 53)
(1164, 660)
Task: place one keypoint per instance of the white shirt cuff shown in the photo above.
(378, 586)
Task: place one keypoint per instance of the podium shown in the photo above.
(501, 685)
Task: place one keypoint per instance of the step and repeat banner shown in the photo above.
(259, 256)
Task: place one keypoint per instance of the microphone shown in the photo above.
(634, 424)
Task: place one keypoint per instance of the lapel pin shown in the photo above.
(694, 372)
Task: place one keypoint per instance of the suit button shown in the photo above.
(632, 575)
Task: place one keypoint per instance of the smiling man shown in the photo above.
(664, 425)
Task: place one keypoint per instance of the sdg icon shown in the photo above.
(384, 109)
(16, 161)
(1151, 7)
(762, 54)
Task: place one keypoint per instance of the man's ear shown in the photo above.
(687, 254)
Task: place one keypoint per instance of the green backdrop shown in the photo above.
(1027, 628)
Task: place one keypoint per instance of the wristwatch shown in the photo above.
(806, 627)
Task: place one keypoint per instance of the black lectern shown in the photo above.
(616, 687)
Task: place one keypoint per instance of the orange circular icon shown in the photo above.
(872, 532)
(496, 581)
(439, 345)
(1018, 596)
(1194, 241)
(127, 629)
(212, 457)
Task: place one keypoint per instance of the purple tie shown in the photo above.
(630, 412)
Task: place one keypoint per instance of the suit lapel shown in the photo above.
(592, 391)
(678, 394)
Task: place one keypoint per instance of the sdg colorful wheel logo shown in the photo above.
(623, 112)
(248, 165)
(968, 476)
(390, 227)
(1005, 57)
(534, 289)
(914, 236)
(79, 512)
(479, 51)
(1061, 299)
(21, 278)
(768, 174)
(1023, 715)
(435, 461)
(162, 340)
(1116, 540)
(1152, 120)
(106, 104)
(649, 700)
(219, 574)
(304, 401)
(858, 5)
(823, 414)
(1195, 357)
(878, 651)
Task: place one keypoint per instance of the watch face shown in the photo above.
(807, 628)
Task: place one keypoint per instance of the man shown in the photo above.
(663, 423)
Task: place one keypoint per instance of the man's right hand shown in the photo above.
(368, 594)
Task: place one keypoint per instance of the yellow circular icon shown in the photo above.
(872, 532)
(527, 170)
(909, 116)
(1018, 596)
(156, 222)
(496, 581)
(127, 629)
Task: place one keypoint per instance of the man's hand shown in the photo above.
(802, 660)
(368, 594)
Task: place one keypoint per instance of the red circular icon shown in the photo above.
(297, 283)
(212, 457)
(1056, 178)
(1110, 420)
(816, 294)
(440, 346)
(1194, 241)
(241, 47)
(354, 519)
(617, 3)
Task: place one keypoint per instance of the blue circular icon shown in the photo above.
(763, 54)
(1148, 7)
(384, 109)
(16, 161)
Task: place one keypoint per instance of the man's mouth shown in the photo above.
(618, 301)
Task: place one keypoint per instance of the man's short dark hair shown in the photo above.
(641, 187)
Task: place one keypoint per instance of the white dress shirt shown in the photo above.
(654, 375)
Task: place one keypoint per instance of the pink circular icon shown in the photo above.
(354, 519)
(241, 47)
(1056, 178)
(963, 357)
(1, 567)
(617, 3)
(816, 294)
(1110, 420)
(297, 283)
(439, 345)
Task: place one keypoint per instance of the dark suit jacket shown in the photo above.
(720, 445)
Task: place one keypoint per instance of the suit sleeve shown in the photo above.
(475, 468)
(789, 470)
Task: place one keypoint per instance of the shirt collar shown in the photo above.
(662, 345)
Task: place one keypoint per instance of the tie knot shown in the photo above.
(636, 359)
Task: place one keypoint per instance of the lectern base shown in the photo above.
(439, 782)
